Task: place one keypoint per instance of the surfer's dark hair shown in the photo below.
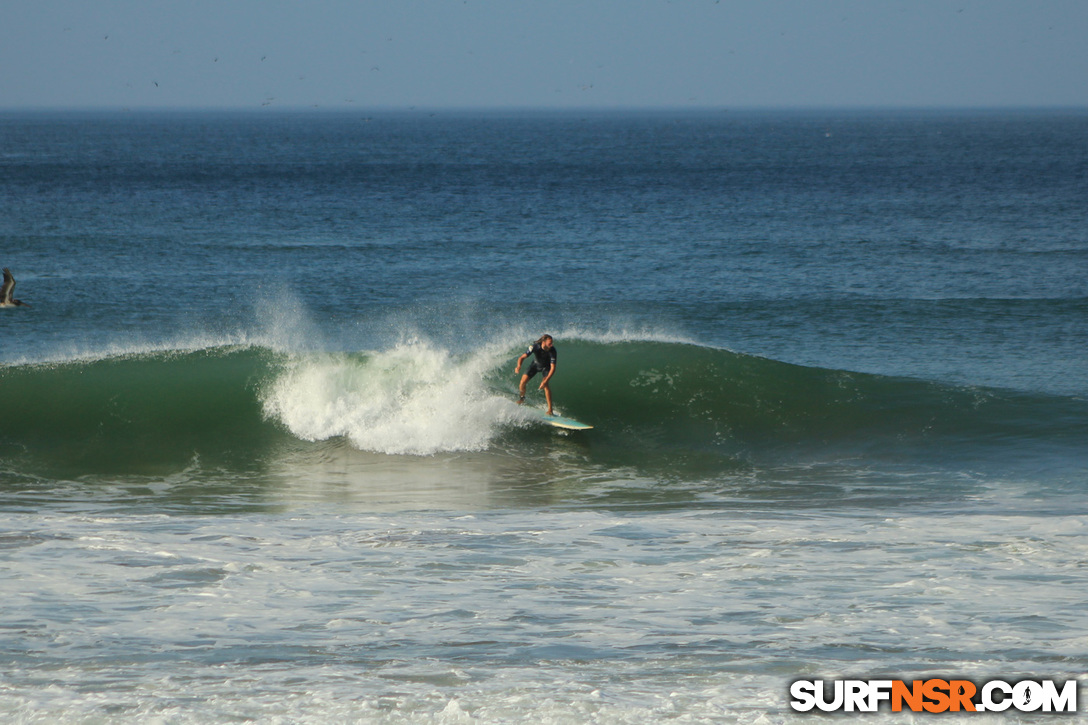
(543, 338)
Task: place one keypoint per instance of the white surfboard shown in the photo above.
(558, 421)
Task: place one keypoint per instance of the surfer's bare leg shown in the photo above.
(521, 389)
(548, 397)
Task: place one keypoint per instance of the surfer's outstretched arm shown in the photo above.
(544, 382)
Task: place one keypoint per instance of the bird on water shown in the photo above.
(6, 300)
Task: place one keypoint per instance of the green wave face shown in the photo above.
(647, 400)
(135, 412)
(687, 397)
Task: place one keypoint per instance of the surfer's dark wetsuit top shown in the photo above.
(542, 359)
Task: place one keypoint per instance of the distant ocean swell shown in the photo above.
(235, 403)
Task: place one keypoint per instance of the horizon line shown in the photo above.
(409, 109)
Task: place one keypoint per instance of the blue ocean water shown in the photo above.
(260, 456)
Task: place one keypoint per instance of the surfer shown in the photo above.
(6, 299)
(544, 359)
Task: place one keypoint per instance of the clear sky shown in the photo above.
(338, 54)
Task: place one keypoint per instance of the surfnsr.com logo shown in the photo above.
(933, 695)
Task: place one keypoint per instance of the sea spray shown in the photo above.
(414, 398)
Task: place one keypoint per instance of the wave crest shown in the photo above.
(412, 399)
(645, 398)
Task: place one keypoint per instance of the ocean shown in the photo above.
(261, 458)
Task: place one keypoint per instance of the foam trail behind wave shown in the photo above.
(411, 399)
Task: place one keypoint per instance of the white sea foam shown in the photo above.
(126, 348)
(543, 616)
(412, 399)
(623, 333)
